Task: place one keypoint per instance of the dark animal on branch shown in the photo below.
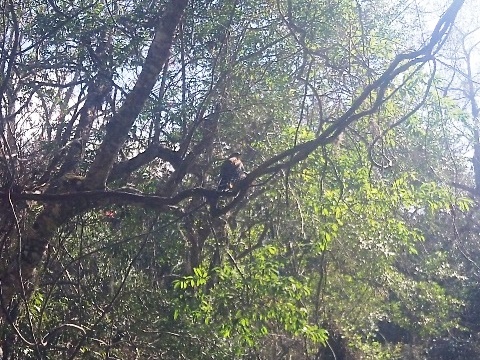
(232, 171)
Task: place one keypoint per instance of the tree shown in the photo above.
(152, 95)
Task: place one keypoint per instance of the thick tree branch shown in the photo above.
(122, 121)
(97, 198)
(153, 152)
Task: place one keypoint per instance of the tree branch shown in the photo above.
(153, 152)
(119, 125)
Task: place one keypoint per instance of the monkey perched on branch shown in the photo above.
(232, 171)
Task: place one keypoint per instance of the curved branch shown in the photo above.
(153, 152)
(399, 65)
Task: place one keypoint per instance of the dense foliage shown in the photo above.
(352, 236)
